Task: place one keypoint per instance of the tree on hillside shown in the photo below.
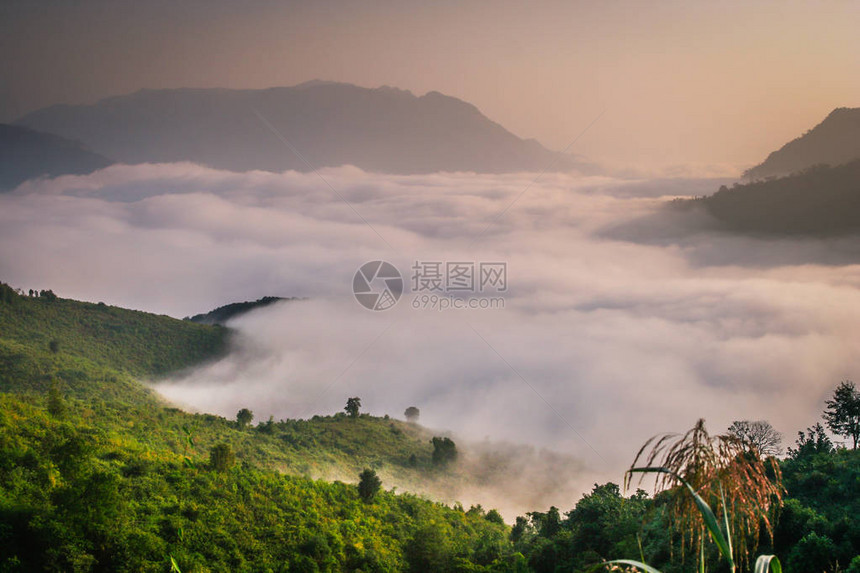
(759, 435)
(267, 427)
(353, 405)
(444, 451)
(843, 412)
(244, 417)
(47, 295)
(412, 414)
(813, 441)
(493, 516)
(368, 484)
(54, 346)
(547, 524)
(221, 457)
(520, 528)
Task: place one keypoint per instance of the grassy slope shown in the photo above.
(142, 445)
(104, 350)
(138, 343)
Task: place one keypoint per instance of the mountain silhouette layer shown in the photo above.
(834, 141)
(25, 154)
(304, 127)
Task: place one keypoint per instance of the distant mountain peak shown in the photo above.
(834, 141)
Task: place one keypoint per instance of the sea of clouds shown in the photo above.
(618, 321)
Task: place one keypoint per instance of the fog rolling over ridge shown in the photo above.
(623, 338)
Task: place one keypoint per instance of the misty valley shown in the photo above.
(252, 321)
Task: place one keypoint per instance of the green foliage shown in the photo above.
(48, 295)
(244, 417)
(97, 474)
(369, 485)
(8, 295)
(444, 451)
(221, 457)
(812, 553)
(353, 405)
(822, 489)
(810, 443)
(56, 403)
(412, 413)
(843, 412)
(75, 495)
(134, 342)
(494, 516)
(604, 524)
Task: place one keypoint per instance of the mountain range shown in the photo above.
(312, 125)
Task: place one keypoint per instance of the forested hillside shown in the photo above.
(97, 473)
(820, 201)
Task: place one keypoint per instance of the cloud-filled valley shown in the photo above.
(606, 337)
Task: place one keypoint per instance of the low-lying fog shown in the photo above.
(611, 331)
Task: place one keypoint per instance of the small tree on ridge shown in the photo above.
(244, 417)
(353, 405)
(843, 412)
(412, 414)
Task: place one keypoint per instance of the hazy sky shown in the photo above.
(681, 82)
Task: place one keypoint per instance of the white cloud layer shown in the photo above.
(608, 335)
